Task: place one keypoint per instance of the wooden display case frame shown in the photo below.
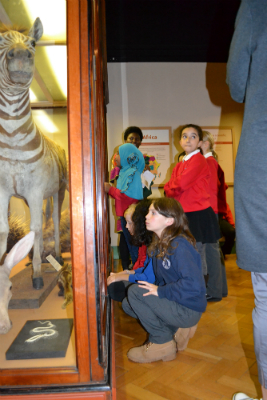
(87, 98)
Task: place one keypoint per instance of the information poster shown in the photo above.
(156, 147)
(223, 138)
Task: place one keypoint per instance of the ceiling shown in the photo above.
(137, 31)
(169, 30)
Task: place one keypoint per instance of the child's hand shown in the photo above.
(107, 186)
(125, 271)
(147, 167)
(111, 279)
(152, 289)
(117, 277)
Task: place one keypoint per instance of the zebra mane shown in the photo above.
(5, 28)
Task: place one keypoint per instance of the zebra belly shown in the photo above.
(25, 180)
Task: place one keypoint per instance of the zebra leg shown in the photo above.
(41, 241)
(36, 226)
(58, 200)
(4, 227)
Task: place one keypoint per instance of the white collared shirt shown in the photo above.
(190, 155)
(209, 154)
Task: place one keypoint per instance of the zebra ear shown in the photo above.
(36, 30)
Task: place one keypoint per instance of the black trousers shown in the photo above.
(228, 231)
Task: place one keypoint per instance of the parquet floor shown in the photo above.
(218, 362)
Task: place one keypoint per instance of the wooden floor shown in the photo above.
(218, 362)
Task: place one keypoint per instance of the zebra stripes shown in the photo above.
(32, 166)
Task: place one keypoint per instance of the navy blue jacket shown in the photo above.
(179, 276)
(146, 273)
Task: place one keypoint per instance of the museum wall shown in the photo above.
(168, 94)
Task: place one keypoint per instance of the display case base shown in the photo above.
(24, 295)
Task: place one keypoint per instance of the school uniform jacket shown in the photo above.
(216, 186)
(179, 276)
(122, 202)
(141, 257)
(189, 183)
(145, 273)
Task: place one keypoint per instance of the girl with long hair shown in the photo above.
(169, 309)
(119, 282)
(217, 191)
(189, 184)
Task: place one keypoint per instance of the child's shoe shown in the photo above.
(183, 335)
(151, 352)
(242, 396)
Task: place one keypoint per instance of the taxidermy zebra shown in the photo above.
(32, 166)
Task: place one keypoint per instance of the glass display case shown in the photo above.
(55, 347)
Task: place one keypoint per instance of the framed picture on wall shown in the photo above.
(156, 145)
(223, 145)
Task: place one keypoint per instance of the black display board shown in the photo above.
(41, 339)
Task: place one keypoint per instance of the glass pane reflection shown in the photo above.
(48, 102)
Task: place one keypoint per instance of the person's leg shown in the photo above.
(124, 252)
(118, 290)
(228, 231)
(127, 308)
(259, 316)
(224, 278)
(214, 286)
(201, 248)
(160, 317)
(132, 249)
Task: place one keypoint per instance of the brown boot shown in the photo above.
(183, 335)
(151, 352)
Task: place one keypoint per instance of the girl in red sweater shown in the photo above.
(217, 191)
(189, 184)
(217, 184)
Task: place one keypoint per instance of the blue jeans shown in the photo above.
(259, 316)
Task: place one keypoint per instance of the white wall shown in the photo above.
(168, 94)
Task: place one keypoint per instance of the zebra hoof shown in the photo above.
(60, 260)
(37, 283)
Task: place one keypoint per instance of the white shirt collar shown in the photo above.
(190, 155)
(208, 155)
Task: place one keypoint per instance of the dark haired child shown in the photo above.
(129, 185)
(142, 270)
(170, 309)
(217, 191)
(219, 204)
(189, 184)
(133, 135)
(227, 226)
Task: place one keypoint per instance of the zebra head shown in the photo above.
(17, 53)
